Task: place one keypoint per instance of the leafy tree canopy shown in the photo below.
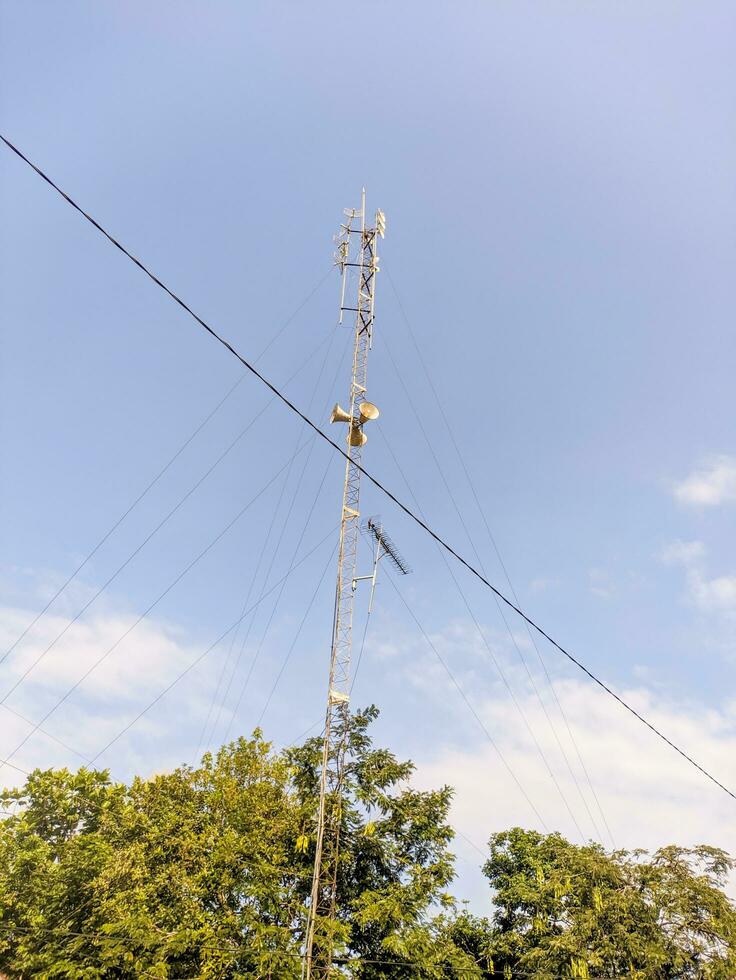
(206, 872)
(565, 910)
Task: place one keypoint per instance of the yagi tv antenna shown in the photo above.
(383, 548)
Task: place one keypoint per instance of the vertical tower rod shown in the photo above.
(321, 915)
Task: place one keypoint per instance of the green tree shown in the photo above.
(394, 864)
(205, 872)
(192, 873)
(565, 910)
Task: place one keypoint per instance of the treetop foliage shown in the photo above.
(206, 872)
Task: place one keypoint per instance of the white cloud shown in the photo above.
(709, 595)
(139, 662)
(683, 553)
(129, 677)
(650, 796)
(711, 485)
(714, 594)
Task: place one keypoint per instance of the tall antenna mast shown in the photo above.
(321, 917)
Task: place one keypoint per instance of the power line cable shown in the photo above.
(481, 633)
(296, 564)
(182, 500)
(295, 741)
(405, 319)
(504, 619)
(507, 766)
(116, 524)
(12, 765)
(295, 550)
(143, 615)
(494, 660)
(289, 652)
(206, 734)
(204, 739)
(64, 745)
(254, 661)
(361, 650)
(374, 480)
(212, 646)
(277, 600)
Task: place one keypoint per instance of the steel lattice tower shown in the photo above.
(321, 917)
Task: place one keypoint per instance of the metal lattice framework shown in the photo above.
(321, 918)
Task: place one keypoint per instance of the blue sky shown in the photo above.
(558, 186)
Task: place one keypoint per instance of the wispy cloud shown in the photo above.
(128, 677)
(141, 661)
(650, 796)
(600, 583)
(712, 484)
(713, 594)
(709, 594)
(683, 553)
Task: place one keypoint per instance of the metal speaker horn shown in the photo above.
(356, 437)
(340, 415)
(368, 412)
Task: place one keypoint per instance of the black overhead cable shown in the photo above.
(48, 735)
(227, 671)
(491, 537)
(361, 650)
(146, 611)
(493, 658)
(277, 600)
(216, 701)
(236, 660)
(479, 629)
(243, 432)
(369, 476)
(469, 704)
(295, 640)
(212, 646)
(158, 476)
(295, 564)
(294, 497)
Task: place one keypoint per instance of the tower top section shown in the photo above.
(367, 255)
